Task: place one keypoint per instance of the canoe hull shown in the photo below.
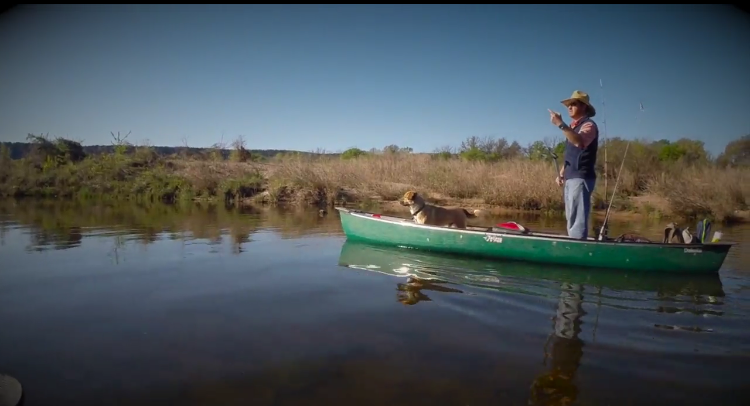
(559, 250)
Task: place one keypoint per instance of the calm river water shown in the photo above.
(202, 305)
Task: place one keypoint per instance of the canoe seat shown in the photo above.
(673, 232)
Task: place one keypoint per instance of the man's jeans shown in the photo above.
(578, 206)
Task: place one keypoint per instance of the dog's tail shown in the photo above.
(473, 213)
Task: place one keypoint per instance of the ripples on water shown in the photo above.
(204, 305)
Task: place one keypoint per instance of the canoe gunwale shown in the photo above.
(406, 222)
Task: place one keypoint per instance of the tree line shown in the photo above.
(645, 152)
(486, 149)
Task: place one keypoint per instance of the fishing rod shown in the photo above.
(614, 190)
(553, 155)
(606, 139)
(617, 180)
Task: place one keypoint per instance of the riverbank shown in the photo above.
(377, 182)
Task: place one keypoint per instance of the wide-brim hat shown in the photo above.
(583, 98)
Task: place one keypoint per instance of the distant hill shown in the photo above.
(19, 149)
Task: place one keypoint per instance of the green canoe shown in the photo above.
(484, 242)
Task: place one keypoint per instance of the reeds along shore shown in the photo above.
(652, 182)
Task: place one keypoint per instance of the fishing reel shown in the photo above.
(600, 232)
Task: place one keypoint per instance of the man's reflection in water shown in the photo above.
(556, 385)
(410, 293)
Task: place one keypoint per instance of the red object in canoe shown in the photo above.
(512, 225)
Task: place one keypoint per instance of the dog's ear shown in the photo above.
(410, 195)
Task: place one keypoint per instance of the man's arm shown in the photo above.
(583, 138)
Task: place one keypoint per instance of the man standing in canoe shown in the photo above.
(578, 173)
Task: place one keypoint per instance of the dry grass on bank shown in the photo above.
(521, 183)
(693, 192)
(516, 184)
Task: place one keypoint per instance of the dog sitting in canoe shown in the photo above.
(425, 213)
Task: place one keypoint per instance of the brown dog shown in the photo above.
(425, 213)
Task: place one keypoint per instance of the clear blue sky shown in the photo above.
(333, 77)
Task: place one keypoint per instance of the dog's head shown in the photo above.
(410, 198)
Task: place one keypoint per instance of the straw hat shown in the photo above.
(583, 98)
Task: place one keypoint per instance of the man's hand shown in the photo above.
(560, 180)
(555, 118)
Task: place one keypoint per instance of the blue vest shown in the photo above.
(580, 163)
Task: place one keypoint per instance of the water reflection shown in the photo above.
(59, 225)
(534, 279)
(564, 348)
(190, 297)
(562, 352)
(413, 291)
(701, 296)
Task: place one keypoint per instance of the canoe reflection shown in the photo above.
(563, 350)
(519, 277)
